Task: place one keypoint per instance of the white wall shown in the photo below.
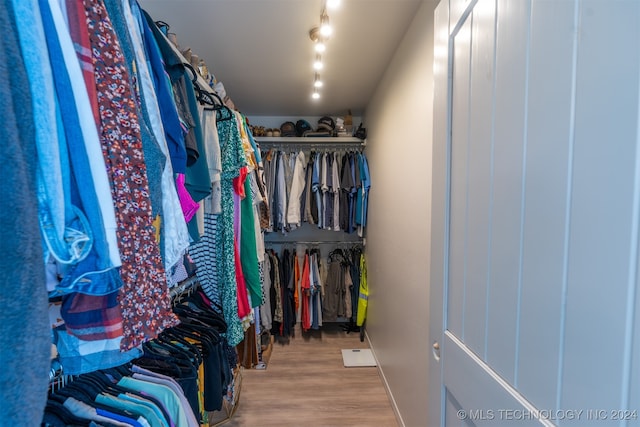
(399, 124)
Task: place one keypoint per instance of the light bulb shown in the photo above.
(320, 47)
(317, 65)
(333, 4)
(315, 95)
(318, 83)
(325, 27)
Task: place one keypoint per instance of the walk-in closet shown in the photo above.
(398, 213)
(181, 245)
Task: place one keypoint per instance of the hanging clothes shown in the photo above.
(233, 159)
(355, 278)
(173, 230)
(244, 309)
(120, 129)
(27, 337)
(95, 273)
(328, 188)
(248, 246)
(53, 210)
(316, 291)
(143, 298)
(280, 193)
(297, 274)
(180, 80)
(182, 376)
(167, 107)
(204, 253)
(316, 187)
(362, 195)
(276, 294)
(311, 289)
(269, 182)
(266, 316)
(363, 295)
(212, 149)
(305, 287)
(335, 188)
(333, 303)
(297, 188)
(348, 285)
(289, 320)
(154, 159)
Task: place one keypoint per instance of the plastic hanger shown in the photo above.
(223, 112)
(171, 338)
(209, 326)
(160, 365)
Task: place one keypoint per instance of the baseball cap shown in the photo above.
(288, 129)
(302, 126)
(326, 123)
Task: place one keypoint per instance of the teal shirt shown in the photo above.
(157, 415)
(164, 394)
(132, 407)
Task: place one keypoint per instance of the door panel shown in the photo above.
(481, 396)
(548, 139)
(479, 147)
(536, 221)
(508, 119)
(452, 413)
(459, 170)
(601, 262)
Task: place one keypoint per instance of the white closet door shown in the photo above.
(535, 309)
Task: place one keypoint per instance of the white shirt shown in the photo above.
(297, 187)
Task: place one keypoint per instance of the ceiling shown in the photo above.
(262, 53)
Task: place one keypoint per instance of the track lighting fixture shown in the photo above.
(319, 36)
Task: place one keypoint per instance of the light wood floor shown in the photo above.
(306, 384)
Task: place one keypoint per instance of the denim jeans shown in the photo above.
(77, 238)
(49, 180)
(84, 254)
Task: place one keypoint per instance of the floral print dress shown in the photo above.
(144, 298)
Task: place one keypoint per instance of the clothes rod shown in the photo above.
(311, 147)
